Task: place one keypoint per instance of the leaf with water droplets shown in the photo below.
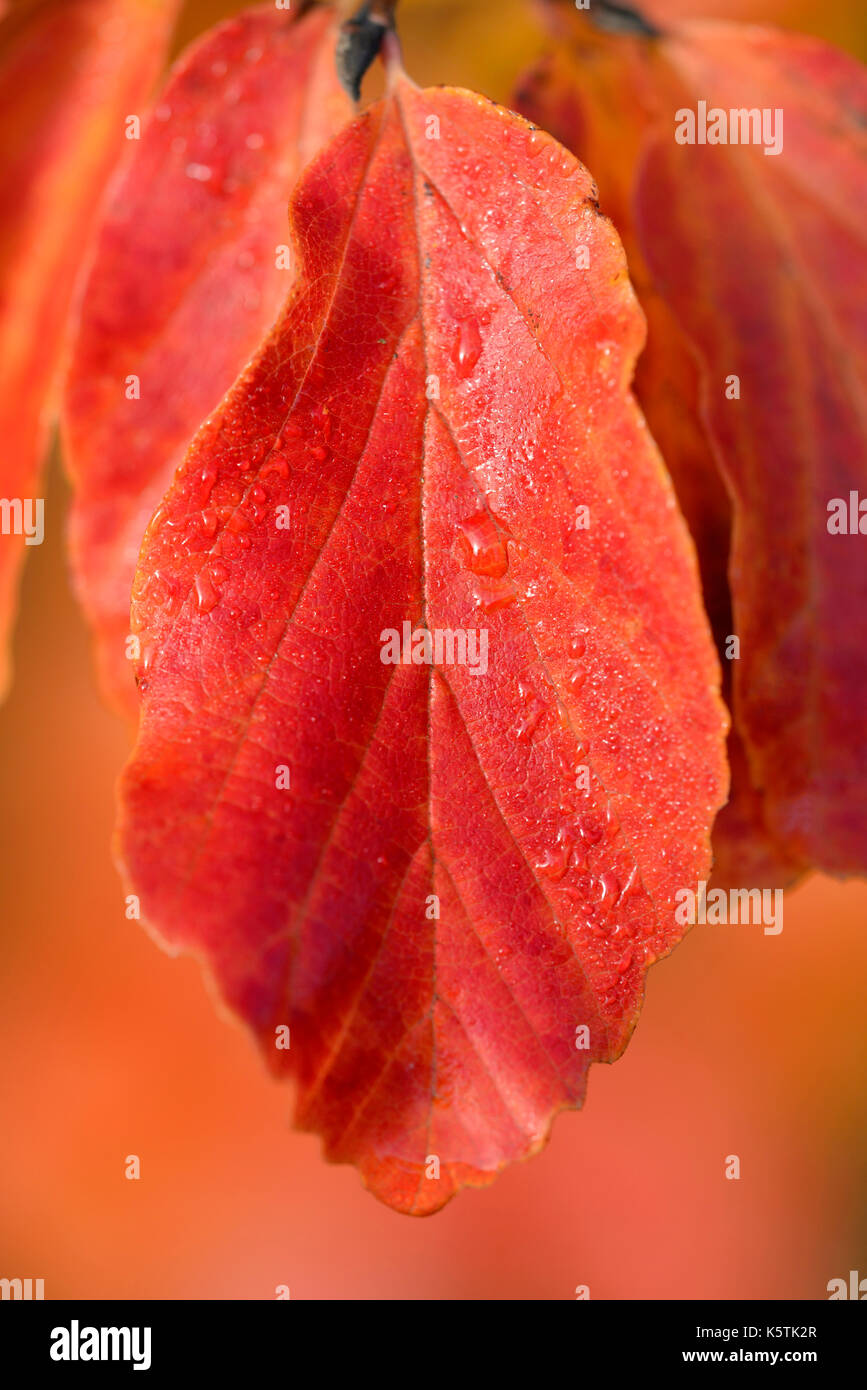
(192, 265)
(368, 790)
(751, 269)
(70, 75)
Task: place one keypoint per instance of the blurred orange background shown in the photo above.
(749, 1045)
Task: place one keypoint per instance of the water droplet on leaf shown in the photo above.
(468, 348)
(483, 546)
(206, 595)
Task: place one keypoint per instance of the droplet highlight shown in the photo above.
(482, 545)
(468, 348)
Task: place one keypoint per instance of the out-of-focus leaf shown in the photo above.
(192, 264)
(71, 72)
(837, 21)
(751, 265)
(436, 877)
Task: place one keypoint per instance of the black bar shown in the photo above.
(246, 1337)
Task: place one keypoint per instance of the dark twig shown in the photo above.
(360, 40)
(621, 19)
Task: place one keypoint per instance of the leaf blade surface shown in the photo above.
(442, 395)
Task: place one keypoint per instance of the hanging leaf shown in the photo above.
(430, 731)
(192, 265)
(751, 268)
(71, 74)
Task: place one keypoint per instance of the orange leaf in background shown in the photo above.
(751, 265)
(191, 268)
(437, 877)
(70, 74)
(838, 21)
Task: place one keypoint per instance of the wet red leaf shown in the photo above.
(192, 265)
(750, 265)
(465, 869)
(71, 71)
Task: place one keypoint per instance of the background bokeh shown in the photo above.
(749, 1044)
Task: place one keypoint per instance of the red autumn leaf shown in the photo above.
(753, 266)
(466, 870)
(191, 268)
(70, 74)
